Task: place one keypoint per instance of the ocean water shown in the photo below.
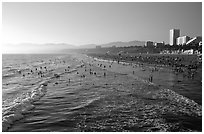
(55, 92)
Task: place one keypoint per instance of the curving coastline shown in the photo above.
(92, 101)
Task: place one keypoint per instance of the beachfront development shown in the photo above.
(177, 45)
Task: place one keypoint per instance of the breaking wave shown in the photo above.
(21, 106)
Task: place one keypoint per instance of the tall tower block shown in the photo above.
(174, 34)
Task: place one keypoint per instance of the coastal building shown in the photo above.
(200, 43)
(182, 40)
(149, 44)
(188, 51)
(159, 44)
(195, 41)
(174, 34)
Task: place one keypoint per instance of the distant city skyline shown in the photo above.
(98, 23)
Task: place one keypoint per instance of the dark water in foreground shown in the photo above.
(116, 102)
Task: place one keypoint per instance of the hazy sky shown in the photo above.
(87, 23)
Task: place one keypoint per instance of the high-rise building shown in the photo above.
(174, 34)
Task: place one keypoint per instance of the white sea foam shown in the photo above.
(22, 106)
(86, 103)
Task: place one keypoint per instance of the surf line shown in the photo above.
(17, 111)
(21, 106)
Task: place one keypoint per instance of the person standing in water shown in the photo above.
(151, 76)
(104, 74)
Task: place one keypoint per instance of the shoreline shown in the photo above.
(147, 103)
(147, 69)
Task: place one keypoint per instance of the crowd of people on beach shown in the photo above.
(176, 63)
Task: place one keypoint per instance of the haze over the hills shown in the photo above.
(124, 44)
(58, 47)
(95, 23)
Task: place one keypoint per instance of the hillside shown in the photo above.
(124, 44)
(117, 44)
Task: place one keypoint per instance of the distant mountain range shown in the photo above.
(63, 46)
(116, 44)
(59, 47)
(124, 44)
(87, 46)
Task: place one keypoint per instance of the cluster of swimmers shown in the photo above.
(42, 70)
(88, 68)
(39, 71)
